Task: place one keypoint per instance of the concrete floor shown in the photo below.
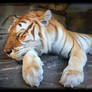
(10, 72)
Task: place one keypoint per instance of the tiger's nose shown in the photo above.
(8, 51)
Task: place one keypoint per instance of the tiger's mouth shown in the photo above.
(19, 52)
(17, 55)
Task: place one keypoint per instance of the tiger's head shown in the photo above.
(26, 32)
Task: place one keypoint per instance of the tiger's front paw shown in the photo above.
(32, 71)
(71, 78)
(33, 77)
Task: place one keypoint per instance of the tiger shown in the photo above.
(37, 33)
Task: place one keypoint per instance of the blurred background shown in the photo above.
(75, 17)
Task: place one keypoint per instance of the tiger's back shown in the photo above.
(64, 39)
(84, 41)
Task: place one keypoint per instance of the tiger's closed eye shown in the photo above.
(23, 21)
(20, 25)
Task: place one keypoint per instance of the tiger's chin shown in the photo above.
(16, 57)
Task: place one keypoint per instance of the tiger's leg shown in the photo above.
(32, 71)
(73, 74)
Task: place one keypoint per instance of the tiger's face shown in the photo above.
(25, 33)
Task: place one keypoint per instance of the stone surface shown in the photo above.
(11, 74)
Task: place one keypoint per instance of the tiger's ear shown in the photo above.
(15, 17)
(10, 16)
(46, 17)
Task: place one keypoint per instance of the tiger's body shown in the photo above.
(39, 32)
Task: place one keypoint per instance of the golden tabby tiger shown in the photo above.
(38, 32)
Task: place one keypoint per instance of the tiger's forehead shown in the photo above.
(21, 24)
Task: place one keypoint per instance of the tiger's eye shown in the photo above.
(20, 25)
(44, 22)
